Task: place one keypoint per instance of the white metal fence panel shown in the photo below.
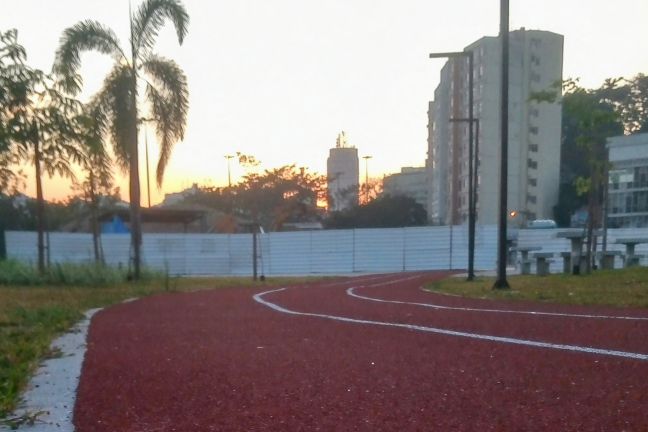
(378, 250)
(21, 246)
(240, 249)
(332, 252)
(285, 253)
(290, 253)
(486, 247)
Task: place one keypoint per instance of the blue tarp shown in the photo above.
(116, 226)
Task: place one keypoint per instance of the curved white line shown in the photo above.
(574, 348)
(351, 292)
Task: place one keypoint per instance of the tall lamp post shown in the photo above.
(471, 182)
(229, 178)
(366, 158)
(501, 282)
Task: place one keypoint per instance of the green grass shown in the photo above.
(625, 288)
(34, 312)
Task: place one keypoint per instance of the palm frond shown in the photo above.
(168, 95)
(161, 110)
(149, 19)
(114, 102)
(83, 36)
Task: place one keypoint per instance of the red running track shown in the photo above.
(223, 361)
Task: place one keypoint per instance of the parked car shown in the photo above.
(542, 224)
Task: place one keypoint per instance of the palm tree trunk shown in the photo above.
(94, 223)
(40, 210)
(136, 224)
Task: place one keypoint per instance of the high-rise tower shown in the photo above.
(342, 174)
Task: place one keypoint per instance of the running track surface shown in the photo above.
(243, 360)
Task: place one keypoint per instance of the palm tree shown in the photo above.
(164, 82)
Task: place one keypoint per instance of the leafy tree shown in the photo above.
(165, 90)
(270, 198)
(38, 126)
(97, 166)
(589, 118)
(279, 195)
(386, 211)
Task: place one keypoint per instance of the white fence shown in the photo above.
(309, 252)
(280, 253)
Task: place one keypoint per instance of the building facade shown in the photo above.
(534, 131)
(628, 181)
(410, 182)
(342, 171)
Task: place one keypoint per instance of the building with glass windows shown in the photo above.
(628, 181)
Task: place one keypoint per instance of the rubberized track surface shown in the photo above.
(318, 357)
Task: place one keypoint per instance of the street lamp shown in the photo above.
(501, 282)
(366, 158)
(471, 182)
(229, 178)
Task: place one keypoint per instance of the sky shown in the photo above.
(280, 79)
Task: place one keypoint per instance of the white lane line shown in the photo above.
(351, 292)
(574, 348)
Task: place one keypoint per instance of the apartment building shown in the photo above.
(535, 64)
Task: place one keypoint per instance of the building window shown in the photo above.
(532, 164)
(533, 182)
(533, 148)
(535, 60)
(531, 199)
(533, 130)
(535, 77)
(534, 112)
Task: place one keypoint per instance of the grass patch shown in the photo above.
(625, 288)
(33, 312)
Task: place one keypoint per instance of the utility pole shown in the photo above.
(471, 155)
(366, 158)
(229, 178)
(501, 282)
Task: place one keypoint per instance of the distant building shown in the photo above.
(342, 174)
(536, 59)
(410, 182)
(628, 185)
(178, 197)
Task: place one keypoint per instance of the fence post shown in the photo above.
(3, 243)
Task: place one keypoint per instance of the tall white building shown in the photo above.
(342, 173)
(535, 64)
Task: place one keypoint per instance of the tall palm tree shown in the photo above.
(164, 82)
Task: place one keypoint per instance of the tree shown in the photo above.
(279, 195)
(38, 126)
(165, 91)
(97, 166)
(386, 211)
(589, 118)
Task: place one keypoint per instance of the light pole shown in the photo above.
(366, 158)
(229, 178)
(501, 282)
(471, 180)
